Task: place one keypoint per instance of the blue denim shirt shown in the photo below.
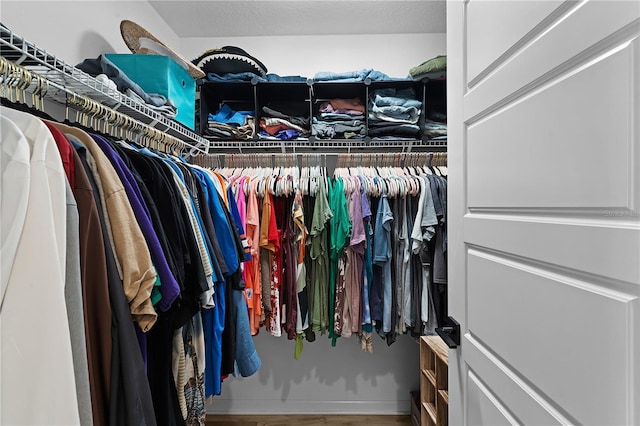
(247, 360)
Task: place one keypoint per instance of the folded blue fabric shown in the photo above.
(240, 76)
(249, 76)
(229, 116)
(391, 101)
(359, 75)
(284, 134)
(276, 77)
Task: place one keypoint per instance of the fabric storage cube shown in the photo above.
(162, 75)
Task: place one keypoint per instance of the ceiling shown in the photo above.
(188, 18)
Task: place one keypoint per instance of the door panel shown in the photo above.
(495, 27)
(582, 33)
(543, 214)
(484, 405)
(580, 329)
(547, 150)
(514, 393)
(602, 250)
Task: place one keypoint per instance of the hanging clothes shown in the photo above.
(95, 291)
(33, 150)
(351, 312)
(369, 257)
(340, 231)
(301, 295)
(319, 253)
(139, 251)
(252, 267)
(290, 266)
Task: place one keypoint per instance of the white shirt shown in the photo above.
(38, 383)
(14, 197)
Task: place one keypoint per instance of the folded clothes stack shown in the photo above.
(394, 113)
(230, 124)
(435, 126)
(250, 76)
(340, 119)
(425, 69)
(351, 76)
(285, 121)
(435, 129)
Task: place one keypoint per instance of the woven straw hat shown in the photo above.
(139, 40)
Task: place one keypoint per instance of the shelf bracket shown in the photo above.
(450, 332)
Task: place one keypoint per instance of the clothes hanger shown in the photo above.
(347, 184)
(313, 180)
(395, 182)
(358, 185)
(16, 80)
(367, 184)
(394, 187)
(260, 184)
(443, 164)
(304, 179)
(294, 184)
(276, 183)
(42, 88)
(324, 166)
(403, 177)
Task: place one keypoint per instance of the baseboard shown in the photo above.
(263, 406)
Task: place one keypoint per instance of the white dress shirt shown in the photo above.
(38, 382)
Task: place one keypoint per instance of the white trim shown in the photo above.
(265, 406)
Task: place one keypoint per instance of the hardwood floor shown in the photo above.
(307, 420)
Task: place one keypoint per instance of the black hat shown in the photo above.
(227, 60)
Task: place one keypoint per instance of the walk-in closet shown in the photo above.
(320, 212)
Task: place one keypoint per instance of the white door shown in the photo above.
(544, 217)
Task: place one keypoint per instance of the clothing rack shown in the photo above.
(47, 77)
(340, 160)
(326, 146)
(16, 81)
(394, 159)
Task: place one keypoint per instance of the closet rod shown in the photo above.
(334, 147)
(341, 160)
(62, 75)
(260, 160)
(16, 81)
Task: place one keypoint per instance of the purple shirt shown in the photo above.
(169, 287)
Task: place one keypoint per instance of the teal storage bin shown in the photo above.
(162, 75)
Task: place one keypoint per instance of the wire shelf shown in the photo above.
(61, 74)
(67, 79)
(321, 145)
